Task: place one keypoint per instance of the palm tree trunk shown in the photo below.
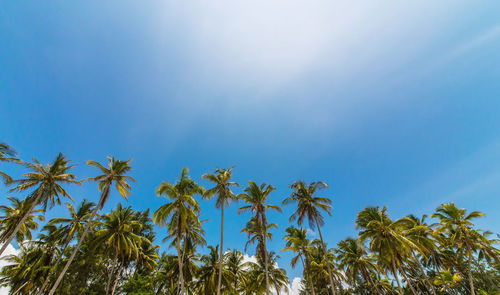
(18, 226)
(80, 241)
(395, 273)
(368, 277)
(402, 271)
(266, 266)
(469, 262)
(308, 270)
(110, 276)
(420, 266)
(47, 278)
(116, 280)
(221, 247)
(179, 262)
(330, 276)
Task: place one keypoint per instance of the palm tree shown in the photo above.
(180, 213)
(355, 261)
(7, 154)
(113, 174)
(308, 207)
(235, 264)
(13, 214)
(458, 225)
(222, 180)
(256, 196)
(277, 276)
(297, 242)
(386, 240)
(321, 261)
(119, 236)
(208, 275)
(48, 180)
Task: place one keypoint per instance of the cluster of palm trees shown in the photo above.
(91, 252)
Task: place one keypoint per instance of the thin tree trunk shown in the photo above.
(330, 276)
(370, 280)
(308, 270)
(471, 282)
(179, 262)
(80, 241)
(402, 271)
(429, 284)
(264, 221)
(47, 278)
(221, 247)
(20, 223)
(395, 273)
(110, 276)
(116, 280)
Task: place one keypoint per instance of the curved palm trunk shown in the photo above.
(402, 271)
(471, 282)
(18, 226)
(308, 270)
(179, 262)
(116, 280)
(429, 284)
(266, 266)
(80, 241)
(330, 276)
(221, 247)
(395, 273)
(110, 276)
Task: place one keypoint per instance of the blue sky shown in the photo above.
(391, 103)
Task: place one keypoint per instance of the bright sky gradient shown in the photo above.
(392, 103)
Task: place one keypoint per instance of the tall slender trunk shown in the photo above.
(80, 241)
(420, 266)
(395, 273)
(264, 224)
(308, 270)
(117, 279)
(402, 271)
(179, 262)
(110, 276)
(330, 276)
(469, 262)
(370, 280)
(221, 247)
(20, 223)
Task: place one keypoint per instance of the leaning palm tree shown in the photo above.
(69, 227)
(387, 240)
(457, 224)
(7, 154)
(308, 207)
(256, 197)
(113, 174)
(11, 217)
(222, 180)
(48, 180)
(355, 261)
(179, 213)
(297, 242)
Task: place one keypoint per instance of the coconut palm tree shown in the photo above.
(13, 214)
(256, 281)
(181, 212)
(207, 282)
(7, 154)
(386, 240)
(222, 180)
(308, 207)
(355, 261)
(297, 242)
(321, 261)
(48, 180)
(236, 265)
(256, 196)
(119, 235)
(114, 173)
(457, 224)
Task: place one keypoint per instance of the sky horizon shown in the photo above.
(390, 103)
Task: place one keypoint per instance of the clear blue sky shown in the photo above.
(392, 103)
